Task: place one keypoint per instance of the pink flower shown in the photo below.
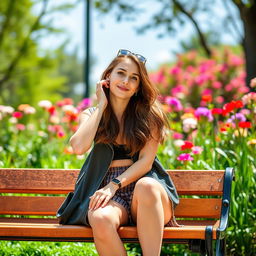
(85, 103)
(196, 150)
(177, 90)
(236, 61)
(60, 134)
(185, 157)
(216, 85)
(249, 98)
(219, 99)
(157, 77)
(177, 136)
(253, 82)
(20, 127)
(17, 114)
(175, 70)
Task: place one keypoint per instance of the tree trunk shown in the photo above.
(248, 15)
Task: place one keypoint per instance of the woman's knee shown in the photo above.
(147, 191)
(101, 222)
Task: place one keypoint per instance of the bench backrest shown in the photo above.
(40, 192)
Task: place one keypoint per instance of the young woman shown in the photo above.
(125, 183)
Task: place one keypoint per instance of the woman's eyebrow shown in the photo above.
(123, 69)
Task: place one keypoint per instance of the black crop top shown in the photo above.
(120, 152)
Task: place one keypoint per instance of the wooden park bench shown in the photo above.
(30, 198)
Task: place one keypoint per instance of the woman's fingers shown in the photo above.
(101, 96)
(105, 202)
(93, 201)
(97, 200)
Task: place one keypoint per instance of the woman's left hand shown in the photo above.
(102, 196)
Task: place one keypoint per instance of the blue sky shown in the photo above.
(108, 36)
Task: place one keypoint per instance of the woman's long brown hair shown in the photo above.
(141, 117)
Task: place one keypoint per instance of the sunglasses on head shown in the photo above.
(127, 52)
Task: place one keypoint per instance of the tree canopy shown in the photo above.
(29, 73)
(238, 21)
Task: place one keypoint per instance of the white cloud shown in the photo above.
(162, 56)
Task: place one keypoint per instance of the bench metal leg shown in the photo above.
(221, 247)
(208, 241)
(197, 246)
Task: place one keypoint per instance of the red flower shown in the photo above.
(239, 104)
(229, 107)
(245, 124)
(217, 111)
(17, 114)
(187, 145)
(66, 101)
(51, 110)
(224, 127)
(207, 98)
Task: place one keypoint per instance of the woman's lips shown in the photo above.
(122, 88)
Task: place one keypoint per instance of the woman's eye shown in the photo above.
(134, 78)
(120, 73)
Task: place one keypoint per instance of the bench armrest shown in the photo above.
(228, 177)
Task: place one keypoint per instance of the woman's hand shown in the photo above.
(102, 196)
(101, 96)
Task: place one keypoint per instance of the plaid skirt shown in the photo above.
(123, 195)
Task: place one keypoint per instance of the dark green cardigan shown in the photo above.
(75, 207)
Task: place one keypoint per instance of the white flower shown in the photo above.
(189, 123)
(54, 119)
(178, 143)
(42, 134)
(29, 110)
(44, 104)
(69, 109)
(13, 120)
(6, 109)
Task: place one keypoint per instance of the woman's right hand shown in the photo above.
(101, 96)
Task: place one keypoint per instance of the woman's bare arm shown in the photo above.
(83, 138)
(142, 165)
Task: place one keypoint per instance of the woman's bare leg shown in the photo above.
(151, 209)
(105, 222)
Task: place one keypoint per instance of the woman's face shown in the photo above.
(124, 79)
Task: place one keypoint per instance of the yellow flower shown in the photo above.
(187, 115)
(252, 142)
(21, 107)
(241, 132)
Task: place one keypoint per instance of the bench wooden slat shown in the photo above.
(14, 221)
(61, 181)
(40, 205)
(76, 232)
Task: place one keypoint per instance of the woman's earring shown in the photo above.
(136, 94)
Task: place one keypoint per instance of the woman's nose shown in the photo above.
(126, 79)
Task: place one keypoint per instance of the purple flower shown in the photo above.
(239, 116)
(171, 101)
(201, 111)
(185, 157)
